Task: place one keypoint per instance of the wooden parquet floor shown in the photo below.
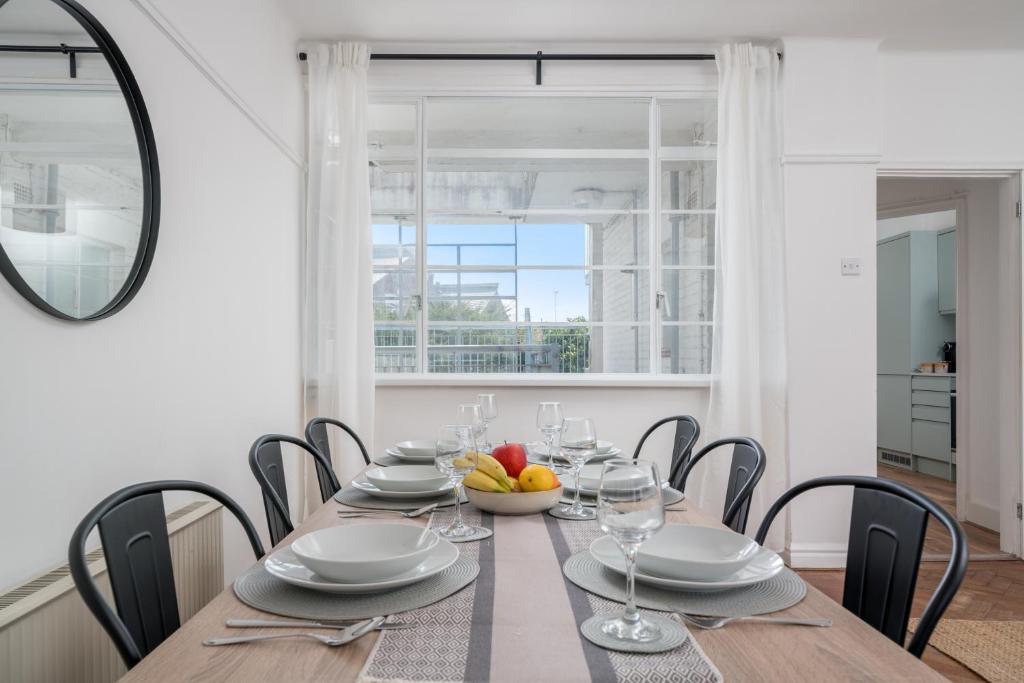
(992, 590)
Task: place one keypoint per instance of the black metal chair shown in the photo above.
(748, 461)
(316, 434)
(887, 530)
(687, 433)
(268, 468)
(133, 530)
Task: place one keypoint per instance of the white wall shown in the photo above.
(206, 357)
(830, 124)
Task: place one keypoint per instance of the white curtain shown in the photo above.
(338, 356)
(748, 366)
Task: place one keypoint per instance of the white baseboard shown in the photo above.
(817, 555)
(983, 515)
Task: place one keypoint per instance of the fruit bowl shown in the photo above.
(515, 503)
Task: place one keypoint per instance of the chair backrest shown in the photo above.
(316, 435)
(748, 462)
(268, 467)
(887, 530)
(133, 530)
(687, 433)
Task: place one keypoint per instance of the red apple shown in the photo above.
(512, 457)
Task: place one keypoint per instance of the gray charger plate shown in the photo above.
(355, 498)
(258, 589)
(669, 497)
(783, 590)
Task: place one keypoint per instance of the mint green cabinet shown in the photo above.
(946, 251)
(894, 413)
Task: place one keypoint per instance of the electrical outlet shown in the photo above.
(850, 266)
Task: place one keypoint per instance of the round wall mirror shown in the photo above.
(79, 187)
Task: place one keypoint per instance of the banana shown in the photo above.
(463, 463)
(492, 468)
(481, 482)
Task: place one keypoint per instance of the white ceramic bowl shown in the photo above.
(516, 503)
(418, 449)
(590, 476)
(604, 446)
(358, 553)
(406, 478)
(701, 553)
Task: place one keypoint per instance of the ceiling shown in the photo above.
(38, 17)
(900, 24)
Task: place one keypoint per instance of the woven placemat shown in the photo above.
(673, 634)
(992, 649)
(783, 590)
(260, 590)
(353, 497)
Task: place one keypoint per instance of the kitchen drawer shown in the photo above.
(933, 413)
(930, 398)
(931, 440)
(930, 383)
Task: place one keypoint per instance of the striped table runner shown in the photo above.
(519, 621)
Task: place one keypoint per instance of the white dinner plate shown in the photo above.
(592, 473)
(286, 566)
(538, 453)
(409, 458)
(764, 566)
(360, 484)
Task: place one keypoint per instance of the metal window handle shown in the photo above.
(661, 303)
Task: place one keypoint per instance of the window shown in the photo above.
(543, 234)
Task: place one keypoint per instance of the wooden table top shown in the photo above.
(849, 650)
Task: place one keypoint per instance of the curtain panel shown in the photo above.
(748, 367)
(338, 357)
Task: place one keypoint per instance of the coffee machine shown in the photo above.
(949, 355)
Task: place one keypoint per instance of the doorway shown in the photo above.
(949, 350)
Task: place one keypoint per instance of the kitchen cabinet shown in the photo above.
(915, 423)
(894, 413)
(945, 243)
(910, 329)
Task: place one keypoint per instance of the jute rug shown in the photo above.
(992, 649)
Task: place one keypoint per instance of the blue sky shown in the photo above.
(538, 244)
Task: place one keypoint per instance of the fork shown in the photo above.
(711, 623)
(349, 514)
(349, 634)
(336, 625)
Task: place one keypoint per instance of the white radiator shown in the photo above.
(48, 634)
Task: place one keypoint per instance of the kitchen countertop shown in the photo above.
(920, 374)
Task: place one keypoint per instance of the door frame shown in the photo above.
(1012, 460)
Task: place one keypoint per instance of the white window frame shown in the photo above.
(654, 377)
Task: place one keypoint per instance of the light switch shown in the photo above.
(851, 266)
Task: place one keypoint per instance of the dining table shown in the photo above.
(522, 625)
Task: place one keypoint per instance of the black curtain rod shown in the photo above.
(539, 57)
(69, 50)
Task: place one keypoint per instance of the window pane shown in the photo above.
(393, 187)
(688, 240)
(689, 123)
(689, 294)
(688, 185)
(457, 185)
(617, 348)
(539, 240)
(396, 347)
(536, 123)
(392, 130)
(583, 295)
(686, 349)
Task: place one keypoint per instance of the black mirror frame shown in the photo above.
(150, 177)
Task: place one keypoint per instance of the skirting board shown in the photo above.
(817, 555)
(983, 515)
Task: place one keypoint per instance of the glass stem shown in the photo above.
(576, 469)
(457, 522)
(631, 615)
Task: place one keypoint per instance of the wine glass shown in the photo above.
(549, 421)
(453, 442)
(470, 415)
(488, 411)
(579, 443)
(629, 509)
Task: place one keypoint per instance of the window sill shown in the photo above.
(537, 380)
